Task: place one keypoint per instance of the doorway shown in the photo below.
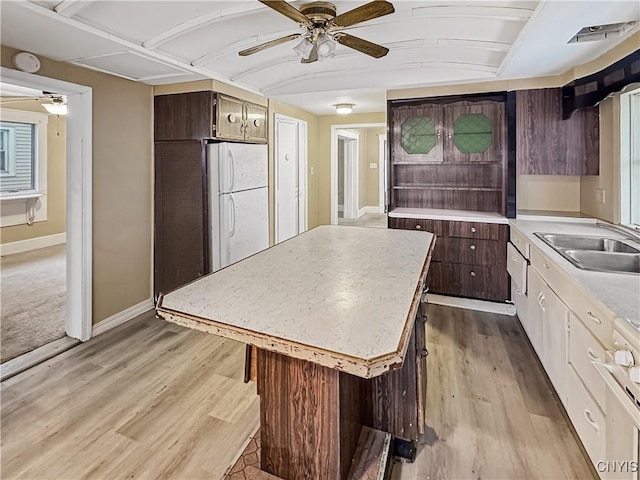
(358, 188)
(290, 153)
(76, 242)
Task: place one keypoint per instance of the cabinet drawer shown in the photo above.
(438, 227)
(474, 251)
(583, 349)
(517, 267)
(587, 418)
(520, 242)
(490, 231)
(473, 281)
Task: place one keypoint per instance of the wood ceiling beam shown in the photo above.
(198, 22)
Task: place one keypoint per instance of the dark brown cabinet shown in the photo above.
(448, 156)
(469, 258)
(197, 115)
(549, 145)
(180, 250)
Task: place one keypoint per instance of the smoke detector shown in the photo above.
(602, 32)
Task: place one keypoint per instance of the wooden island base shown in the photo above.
(312, 416)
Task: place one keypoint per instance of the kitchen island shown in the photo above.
(335, 313)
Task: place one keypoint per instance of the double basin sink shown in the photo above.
(595, 253)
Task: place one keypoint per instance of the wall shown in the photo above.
(56, 180)
(548, 192)
(122, 184)
(324, 155)
(373, 174)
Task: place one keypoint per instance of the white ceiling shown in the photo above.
(430, 42)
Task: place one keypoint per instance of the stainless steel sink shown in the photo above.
(587, 243)
(595, 253)
(606, 261)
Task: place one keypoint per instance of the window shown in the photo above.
(17, 157)
(630, 158)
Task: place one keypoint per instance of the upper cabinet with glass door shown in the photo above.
(464, 132)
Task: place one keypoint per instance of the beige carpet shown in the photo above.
(32, 299)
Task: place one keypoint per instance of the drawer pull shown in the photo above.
(518, 291)
(587, 415)
(472, 247)
(232, 118)
(473, 229)
(513, 259)
(418, 227)
(545, 265)
(593, 317)
(592, 355)
(541, 301)
(473, 274)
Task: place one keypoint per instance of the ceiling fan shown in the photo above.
(321, 29)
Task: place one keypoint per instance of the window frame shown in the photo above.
(10, 148)
(40, 120)
(630, 157)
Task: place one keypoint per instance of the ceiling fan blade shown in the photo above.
(313, 55)
(287, 10)
(272, 43)
(369, 11)
(364, 46)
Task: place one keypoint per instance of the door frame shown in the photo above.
(303, 201)
(382, 171)
(351, 161)
(334, 162)
(79, 210)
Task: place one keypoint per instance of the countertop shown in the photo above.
(618, 292)
(343, 297)
(444, 214)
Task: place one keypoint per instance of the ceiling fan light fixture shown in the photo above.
(57, 107)
(326, 46)
(303, 49)
(344, 108)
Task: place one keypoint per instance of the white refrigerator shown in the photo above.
(239, 201)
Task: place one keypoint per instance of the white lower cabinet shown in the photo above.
(622, 447)
(535, 310)
(587, 418)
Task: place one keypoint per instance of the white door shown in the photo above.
(244, 224)
(290, 153)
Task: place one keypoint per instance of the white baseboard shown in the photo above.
(122, 317)
(369, 209)
(32, 244)
(471, 304)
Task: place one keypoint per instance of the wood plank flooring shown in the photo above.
(147, 400)
(491, 412)
(152, 400)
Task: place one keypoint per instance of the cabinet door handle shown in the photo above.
(592, 355)
(545, 265)
(473, 229)
(518, 291)
(418, 227)
(472, 247)
(473, 274)
(438, 134)
(256, 122)
(593, 317)
(231, 117)
(449, 135)
(513, 259)
(587, 415)
(424, 353)
(541, 301)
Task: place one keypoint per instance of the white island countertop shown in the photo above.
(617, 292)
(445, 214)
(342, 297)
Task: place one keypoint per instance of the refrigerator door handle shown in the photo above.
(232, 171)
(232, 215)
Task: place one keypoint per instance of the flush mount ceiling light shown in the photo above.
(57, 106)
(344, 108)
(602, 32)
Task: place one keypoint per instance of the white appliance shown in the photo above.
(239, 202)
(621, 374)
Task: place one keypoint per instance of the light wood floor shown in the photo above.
(152, 400)
(148, 400)
(491, 413)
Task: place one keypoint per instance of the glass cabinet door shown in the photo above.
(418, 135)
(475, 133)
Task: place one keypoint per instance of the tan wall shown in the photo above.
(373, 174)
(324, 155)
(548, 192)
(122, 184)
(56, 181)
(214, 85)
(609, 170)
(312, 162)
